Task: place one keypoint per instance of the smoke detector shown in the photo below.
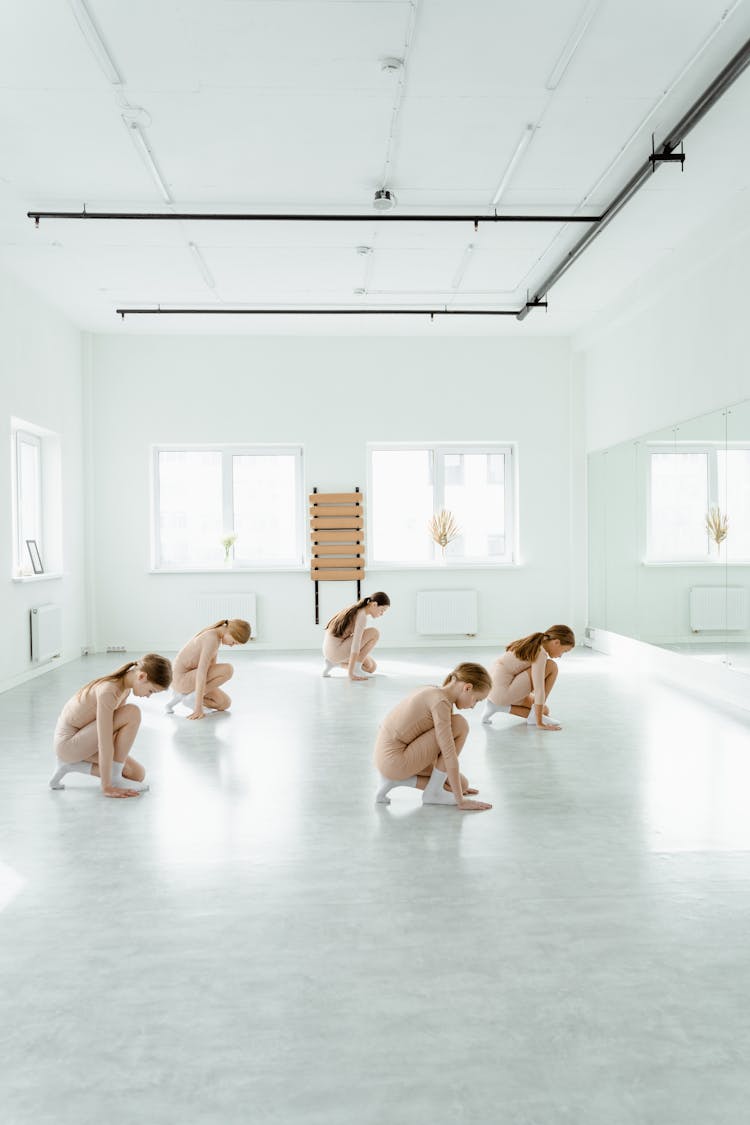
(384, 200)
(391, 65)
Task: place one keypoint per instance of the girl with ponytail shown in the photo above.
(525, 674)
(348, 642)
(419, 741)
(97, 728)
(197, 676)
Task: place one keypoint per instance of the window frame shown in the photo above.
(22, 437)
(227, 453)
(438, 451)
(711, 450)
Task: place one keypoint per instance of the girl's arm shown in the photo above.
(209, 648)
(359, 628)
(537, 683)
(106, 698)
(441, 714)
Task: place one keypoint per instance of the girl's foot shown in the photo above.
(55, 782)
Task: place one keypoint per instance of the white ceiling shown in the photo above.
(282, 105)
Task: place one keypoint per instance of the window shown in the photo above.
(203, 495)
(28, 496)
(685, 483)
(409, 485)
(733, 497)
(36, 497)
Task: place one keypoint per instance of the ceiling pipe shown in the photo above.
(697, 111)
(320, 312)
(275, 217)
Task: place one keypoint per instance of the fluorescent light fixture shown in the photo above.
(521, 147)
(572, 45)
(93, 37)
(147, 156)
(463, 265)
(208, 277)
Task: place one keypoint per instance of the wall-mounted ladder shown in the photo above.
(337, 539)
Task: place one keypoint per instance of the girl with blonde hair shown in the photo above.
(349, 641)
(418, 743)
(97, 728)
(524, 676)
(197, 676)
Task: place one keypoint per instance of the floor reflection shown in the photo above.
(697, 778)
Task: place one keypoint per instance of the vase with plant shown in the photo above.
(443, 529)
(228, 541)
(717, 526)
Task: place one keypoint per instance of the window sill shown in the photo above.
(431, 568)
(442, 568)
(231, 570)
(718, 564)
(37, 577)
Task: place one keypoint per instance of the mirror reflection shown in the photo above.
(669, 537)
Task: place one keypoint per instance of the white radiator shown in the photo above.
(718, 607)
(447, 612)
(46, 633)
(214, 607)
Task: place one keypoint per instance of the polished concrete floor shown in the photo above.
(733, 654)
(255, 941)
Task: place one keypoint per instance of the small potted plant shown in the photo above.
(228, 541)
(717, 526)
(444, 529)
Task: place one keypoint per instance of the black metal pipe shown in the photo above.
(275, 217)
(697, 111)
(315, 312)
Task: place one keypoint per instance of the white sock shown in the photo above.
(434, 792)
(491, 708)
(359, 671)
(329, 666)
(387, 784)
(120, 782)
(67, 767)
(172, 703)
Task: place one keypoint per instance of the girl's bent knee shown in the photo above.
(459, 724)
(130, 713)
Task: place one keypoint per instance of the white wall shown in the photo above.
(332, 395)
(40, 382)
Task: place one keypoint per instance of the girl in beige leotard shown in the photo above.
(97, 728)
(196, 670)
(525, 674)
(349, 640)
(418, 743)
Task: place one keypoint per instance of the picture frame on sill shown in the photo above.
(36, 558)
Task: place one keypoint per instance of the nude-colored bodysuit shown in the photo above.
(416, 732)
(86, 724)
(189, 657)
(339, 649)
(510, 687)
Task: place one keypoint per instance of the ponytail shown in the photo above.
(157, 668)
(238, 628)
(527, 648)
(342, 622)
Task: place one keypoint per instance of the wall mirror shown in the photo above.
(669, 537)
